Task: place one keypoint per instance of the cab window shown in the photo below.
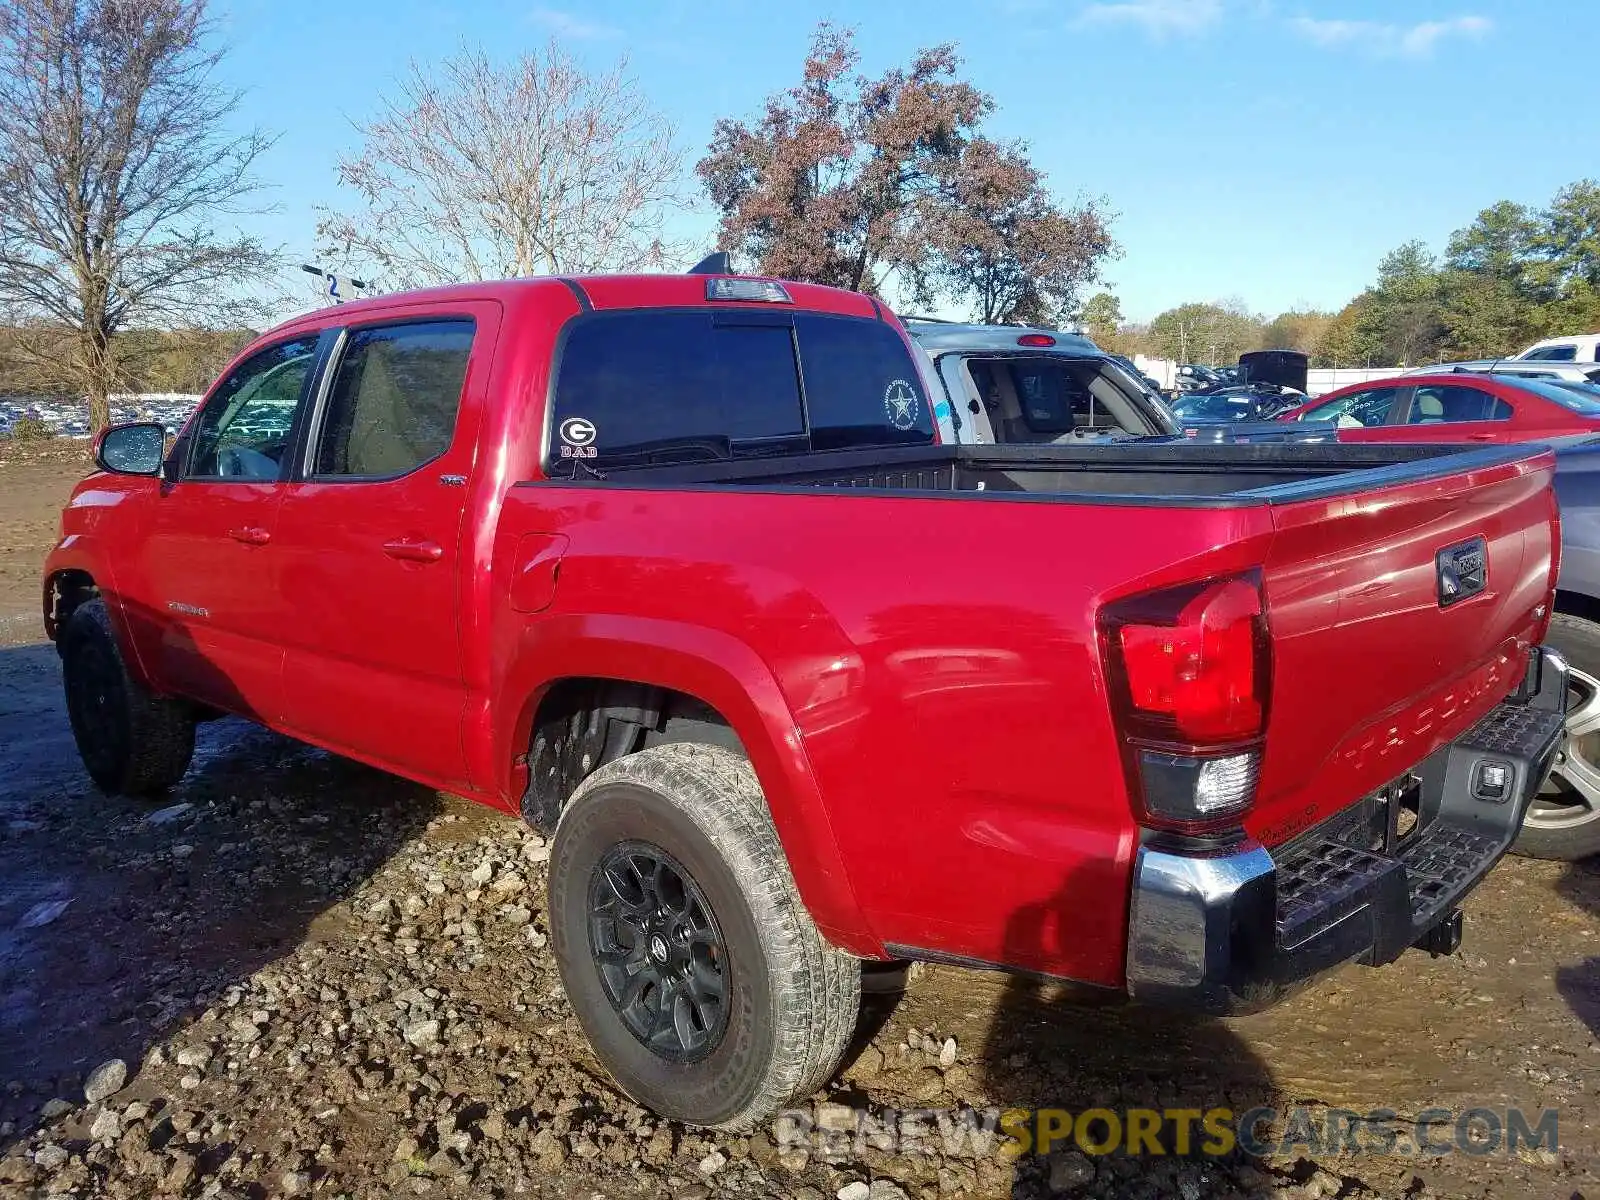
(394, 399)
(654, 387)
(244, 428)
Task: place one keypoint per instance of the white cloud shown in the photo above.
(564, 24)
(1386, 40)
(1159, 18)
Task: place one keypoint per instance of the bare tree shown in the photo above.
(114, 163)
(477, 172)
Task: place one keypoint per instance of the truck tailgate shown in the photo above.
(1378, 659)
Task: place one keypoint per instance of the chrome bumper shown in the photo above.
(1233, 929)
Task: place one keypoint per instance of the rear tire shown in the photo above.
(132, 742)
(674, 836)
(1564, 821)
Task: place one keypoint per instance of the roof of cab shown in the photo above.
(935, 336)
(599, 292)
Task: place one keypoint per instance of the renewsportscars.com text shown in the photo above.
(839, 1132)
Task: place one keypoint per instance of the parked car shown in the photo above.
(676, 568)
(1233, 404)
(1286, 370)
(1194, 377)
(995, 384)
(1455, 406)
(1011, 384)
(1571, 348)
(1564, 819)
(1561, 372)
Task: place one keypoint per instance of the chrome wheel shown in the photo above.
(1572, 795)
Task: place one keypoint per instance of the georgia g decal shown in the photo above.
(577, 438)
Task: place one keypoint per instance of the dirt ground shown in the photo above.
(324, 980)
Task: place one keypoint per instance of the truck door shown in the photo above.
(372, 545)
(204, 600)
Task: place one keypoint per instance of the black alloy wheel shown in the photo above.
(659, 952)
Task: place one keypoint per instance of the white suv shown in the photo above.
(1573, 348)
(1582, 371)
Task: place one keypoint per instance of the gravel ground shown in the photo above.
(304, 977)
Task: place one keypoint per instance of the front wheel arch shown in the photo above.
(65, 592)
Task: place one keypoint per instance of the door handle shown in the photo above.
(408, 551)
(1484, 437)
(251, 535)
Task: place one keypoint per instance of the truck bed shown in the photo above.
(1128, 473)
(940, 663)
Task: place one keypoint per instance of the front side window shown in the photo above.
(1359, 410)
(394, 399)
(244, 428)
(1435, 404)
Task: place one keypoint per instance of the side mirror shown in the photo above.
(132, 449)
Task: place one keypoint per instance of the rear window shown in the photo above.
(654, 387)
(1567, 353)
(862, 388)
(1581, 398)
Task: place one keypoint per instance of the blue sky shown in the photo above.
(1267, 150)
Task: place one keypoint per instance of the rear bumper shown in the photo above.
(1227, 930)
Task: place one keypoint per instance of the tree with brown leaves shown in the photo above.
(477, 171)
(1002, 245)
(851, 181)
(114, 164)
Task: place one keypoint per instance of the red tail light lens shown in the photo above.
(1036, 339)
(1189, 673)
(1199, 670)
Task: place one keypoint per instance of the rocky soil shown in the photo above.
(301, 977)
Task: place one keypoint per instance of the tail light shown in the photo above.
(1189, 670)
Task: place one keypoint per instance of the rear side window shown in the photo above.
(862, 388)
(1579, 397)
(1553, 354)
(1437, 404)
(656, 387)
(394, 399)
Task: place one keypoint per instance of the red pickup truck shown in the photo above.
(676, 568)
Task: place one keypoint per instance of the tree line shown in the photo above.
(1515, 274)
(33, 360)
(121, 172)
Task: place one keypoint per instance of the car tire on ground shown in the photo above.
(1564, 820)
(694, 969)
(132, 742)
